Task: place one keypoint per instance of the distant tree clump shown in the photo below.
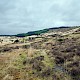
(32, 33)
(16, 41)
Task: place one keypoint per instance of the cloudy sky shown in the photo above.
(20, 16)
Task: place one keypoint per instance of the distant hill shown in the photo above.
(39, 31)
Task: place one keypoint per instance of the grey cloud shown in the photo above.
(19, 16)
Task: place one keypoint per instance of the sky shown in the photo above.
(22, 16)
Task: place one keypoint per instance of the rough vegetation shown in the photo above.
(50, 57)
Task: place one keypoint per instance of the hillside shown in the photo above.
(54, 54)
(41, 31)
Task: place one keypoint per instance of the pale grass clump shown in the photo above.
(31, 52)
